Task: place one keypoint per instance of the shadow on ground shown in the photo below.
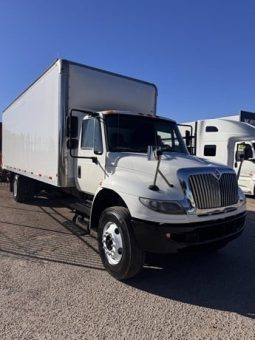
(42, 231)
(223, 280)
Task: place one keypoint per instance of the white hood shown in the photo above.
(134, 173)
(132, 177)
(170, 162)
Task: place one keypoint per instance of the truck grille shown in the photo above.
(210, 192)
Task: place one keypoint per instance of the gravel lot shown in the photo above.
(53, 286)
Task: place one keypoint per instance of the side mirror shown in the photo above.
(72, 127)
(72, 143)
(188, 138)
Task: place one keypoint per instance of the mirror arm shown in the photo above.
(93, 158)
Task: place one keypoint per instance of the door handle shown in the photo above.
(79, 171)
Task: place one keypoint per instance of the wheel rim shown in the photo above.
(15, 187)
(112, 243)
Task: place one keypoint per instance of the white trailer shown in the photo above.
(226, 141)
(96, 135)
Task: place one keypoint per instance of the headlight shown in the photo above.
(165, 207)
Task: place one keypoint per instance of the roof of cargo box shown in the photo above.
(104, 71)
(69, 62)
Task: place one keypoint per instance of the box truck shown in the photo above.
(3, 173)
(96, 135)
(0, 145)
(227, 141)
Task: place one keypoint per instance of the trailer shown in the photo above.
(3, 173)
(0, 144)
(96, 135)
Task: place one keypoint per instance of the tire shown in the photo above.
(117, 246)
(11, 179)
(23, 189)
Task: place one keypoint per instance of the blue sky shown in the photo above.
(199, 53)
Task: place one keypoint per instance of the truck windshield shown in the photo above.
(127, 133)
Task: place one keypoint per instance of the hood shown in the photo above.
(133, 174)
(170, 162)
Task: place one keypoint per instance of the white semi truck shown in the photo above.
(227, 141)
(96, 135)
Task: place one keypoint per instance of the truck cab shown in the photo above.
(144, 187)
(224, 141)
(106, 141)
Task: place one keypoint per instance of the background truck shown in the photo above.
(96, 135)
(0, 145)
(244, 116)
(227, 141)
(3, 173)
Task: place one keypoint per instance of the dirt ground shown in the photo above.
(53, 285)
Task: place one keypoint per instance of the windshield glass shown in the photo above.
(134, 134)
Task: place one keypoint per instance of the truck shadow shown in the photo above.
(223, 280)
(46, 233)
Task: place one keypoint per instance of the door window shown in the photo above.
(91, 135)
(210, 150)
(98, 144)
(244, 152)
(87, 139)
(211, 129)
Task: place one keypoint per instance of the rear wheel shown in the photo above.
(118, 249)
(23, 188)
(11, 179)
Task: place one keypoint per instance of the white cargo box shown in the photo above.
(34, 125)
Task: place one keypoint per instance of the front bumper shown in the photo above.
(167, 238)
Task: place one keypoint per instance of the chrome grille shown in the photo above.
(210, 192)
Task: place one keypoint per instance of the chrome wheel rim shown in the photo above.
(112, 243)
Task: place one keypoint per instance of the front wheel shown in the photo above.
(117, 246)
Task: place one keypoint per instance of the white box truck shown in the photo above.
(96, 135)
(227, 141)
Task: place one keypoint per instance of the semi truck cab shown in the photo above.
(224, 141)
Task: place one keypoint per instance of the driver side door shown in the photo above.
(91, 156)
